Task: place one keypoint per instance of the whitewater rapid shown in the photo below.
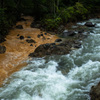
(42, 79)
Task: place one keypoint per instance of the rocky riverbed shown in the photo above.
(25, 41)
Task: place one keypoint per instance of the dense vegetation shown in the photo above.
(51, 13)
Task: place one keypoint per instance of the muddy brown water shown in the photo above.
(17, 50)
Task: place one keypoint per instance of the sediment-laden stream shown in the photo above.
(17, 50)
(41, 79)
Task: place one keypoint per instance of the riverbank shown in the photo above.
(19, 44)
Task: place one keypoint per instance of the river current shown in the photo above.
(42, 78)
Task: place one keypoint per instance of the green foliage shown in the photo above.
(80, 11)
(52, 12)
(52, 24)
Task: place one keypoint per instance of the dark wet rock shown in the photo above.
(41, 34)
(45, 33)
(89, 24)
(77, 46)
(38, 36)
(81, 31)
(30, 41)
(95, 92)
(19, 27)
(35, 25)
(68, 33)
(49, 49)
(17, 34)
(31, 44)
(21, 37)
(28, 36)
(58, 40)
(2, 49)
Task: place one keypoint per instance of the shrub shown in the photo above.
(52, 24)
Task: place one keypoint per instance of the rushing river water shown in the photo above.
(41, 79)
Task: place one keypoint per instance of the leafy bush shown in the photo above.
(52, 24)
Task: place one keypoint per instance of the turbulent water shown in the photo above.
(42, 79)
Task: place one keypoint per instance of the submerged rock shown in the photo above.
(68, 33)
(89, 24)
(28, 36)
(2, 49)
(30, 41)
(95, 92)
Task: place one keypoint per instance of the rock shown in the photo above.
(35, 25)
(45, 33)
(77, 46)
(21, 37)
(41, 34)
(68, 33)
(2, 49)
(49, 49)
(81, 31)
(89, 24)
(95, 92)
(38, 36)
(30, 41)
(31, 44)
(17, 34)
(58, 40)
(19, 27)
(28, 37)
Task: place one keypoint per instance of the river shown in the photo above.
(41, 79)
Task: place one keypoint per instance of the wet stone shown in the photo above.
(21, 37)
(30, 41)
(2, 49)
(38, 36)
(31, 44)
(45, 33)
(17, 34)
(28, 36)
(58, 40)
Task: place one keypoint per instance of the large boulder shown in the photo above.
(89, 24)
(50, 49)
(68, 33)
(2, 49)
(95, 92)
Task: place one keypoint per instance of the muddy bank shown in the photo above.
(21, 41)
